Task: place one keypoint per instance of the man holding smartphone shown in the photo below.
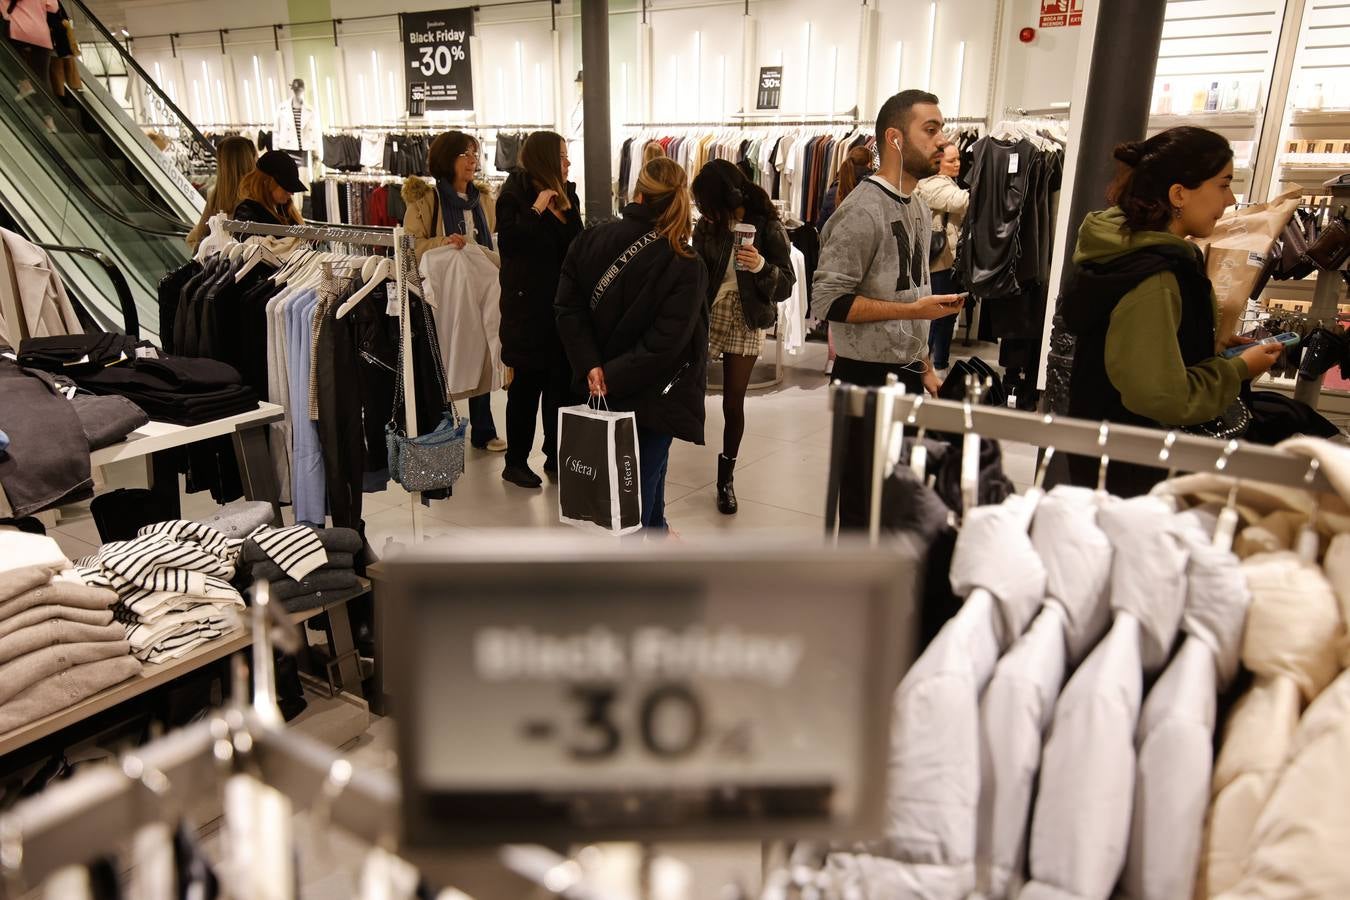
(872, 282)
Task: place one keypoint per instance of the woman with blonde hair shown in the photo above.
(265, 193)
(642, 343)
(538, 217)
(235, 158)
(651, 151)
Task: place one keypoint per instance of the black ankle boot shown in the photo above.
(726, 491)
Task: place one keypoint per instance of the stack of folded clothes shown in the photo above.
(58, 641)
(173, 587)
(307, 567)
(174, 389)
(178, 390)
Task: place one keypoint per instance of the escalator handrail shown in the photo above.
(131, 63)
(131, 321)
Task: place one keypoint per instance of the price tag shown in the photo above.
(391, 305)
(1012, 164)
(559, 688)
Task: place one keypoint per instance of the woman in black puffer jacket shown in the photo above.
(538, 217)
(644, 347)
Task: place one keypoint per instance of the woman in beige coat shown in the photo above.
(948, 201)
(453, 212)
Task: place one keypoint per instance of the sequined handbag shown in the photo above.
(429, 462)
(435, 460)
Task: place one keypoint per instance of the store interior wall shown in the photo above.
(697, 60)
(1038, 74)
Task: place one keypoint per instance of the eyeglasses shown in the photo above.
(469, 154)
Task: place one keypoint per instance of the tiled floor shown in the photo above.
(780, 476)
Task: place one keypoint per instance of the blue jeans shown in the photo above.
(940, 330)
(481, 427)
(653, 459)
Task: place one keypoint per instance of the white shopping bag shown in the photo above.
(599, 487)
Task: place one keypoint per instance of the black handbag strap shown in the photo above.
(616, 267)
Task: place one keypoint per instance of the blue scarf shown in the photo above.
(453, 207)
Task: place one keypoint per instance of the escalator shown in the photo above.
(80, 173)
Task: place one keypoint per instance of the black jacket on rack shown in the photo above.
(649, 331)
(760, 291)
(533, 247)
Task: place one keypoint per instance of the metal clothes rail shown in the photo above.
(775, 123)
(1044, 112)
(404, 266)
(1123, 443)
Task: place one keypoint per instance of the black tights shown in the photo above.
(736, 372)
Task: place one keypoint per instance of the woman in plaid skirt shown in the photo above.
(744, 289)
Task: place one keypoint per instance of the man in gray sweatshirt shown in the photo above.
(872, 281)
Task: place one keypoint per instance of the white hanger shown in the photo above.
(261, 253)
(1308, 542)
(1226, 529)
(383, 271)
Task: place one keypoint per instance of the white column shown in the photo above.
(559, 108)
(867, 54)
(749, 62)
(645, 79)
(476, 74)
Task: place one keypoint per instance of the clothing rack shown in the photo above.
(1044, 112)
(424, 128)
(402, 244)
(1123, 443)
(776, 123)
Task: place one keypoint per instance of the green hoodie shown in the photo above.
(1143, 359)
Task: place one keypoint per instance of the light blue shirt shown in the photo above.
(308, 486)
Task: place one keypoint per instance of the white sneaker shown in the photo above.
(26, 90)
(496, 445)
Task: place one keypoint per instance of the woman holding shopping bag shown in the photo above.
(634, 322)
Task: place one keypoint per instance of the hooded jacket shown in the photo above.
(760, 291)
(426, 222)
(649, 331)
(1143, 313)
(533, 247)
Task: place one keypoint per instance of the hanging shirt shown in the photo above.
(463, 287)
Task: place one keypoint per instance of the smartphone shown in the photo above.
(1289, 339)
(964, 296)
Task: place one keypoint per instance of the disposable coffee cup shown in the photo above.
(743, 235)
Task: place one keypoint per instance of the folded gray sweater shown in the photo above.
(64, 689)
(270, 571)
(29, 669)
(63, 593)
(343, 540)
(322, 580)
(16, 581)
(52, 632)
(37, 614)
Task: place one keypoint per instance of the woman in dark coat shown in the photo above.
(538, 217)
(644, 346)
(743, 291)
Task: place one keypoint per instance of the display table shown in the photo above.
(249, 431)
(157, 674)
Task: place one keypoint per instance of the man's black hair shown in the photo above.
(897, 111)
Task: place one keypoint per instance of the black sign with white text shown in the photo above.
(770, 87)
(436, 53)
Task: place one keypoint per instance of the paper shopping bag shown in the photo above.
(598, 483)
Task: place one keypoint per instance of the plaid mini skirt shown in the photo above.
(727, 331)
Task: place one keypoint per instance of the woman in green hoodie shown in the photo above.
(1139, 304)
